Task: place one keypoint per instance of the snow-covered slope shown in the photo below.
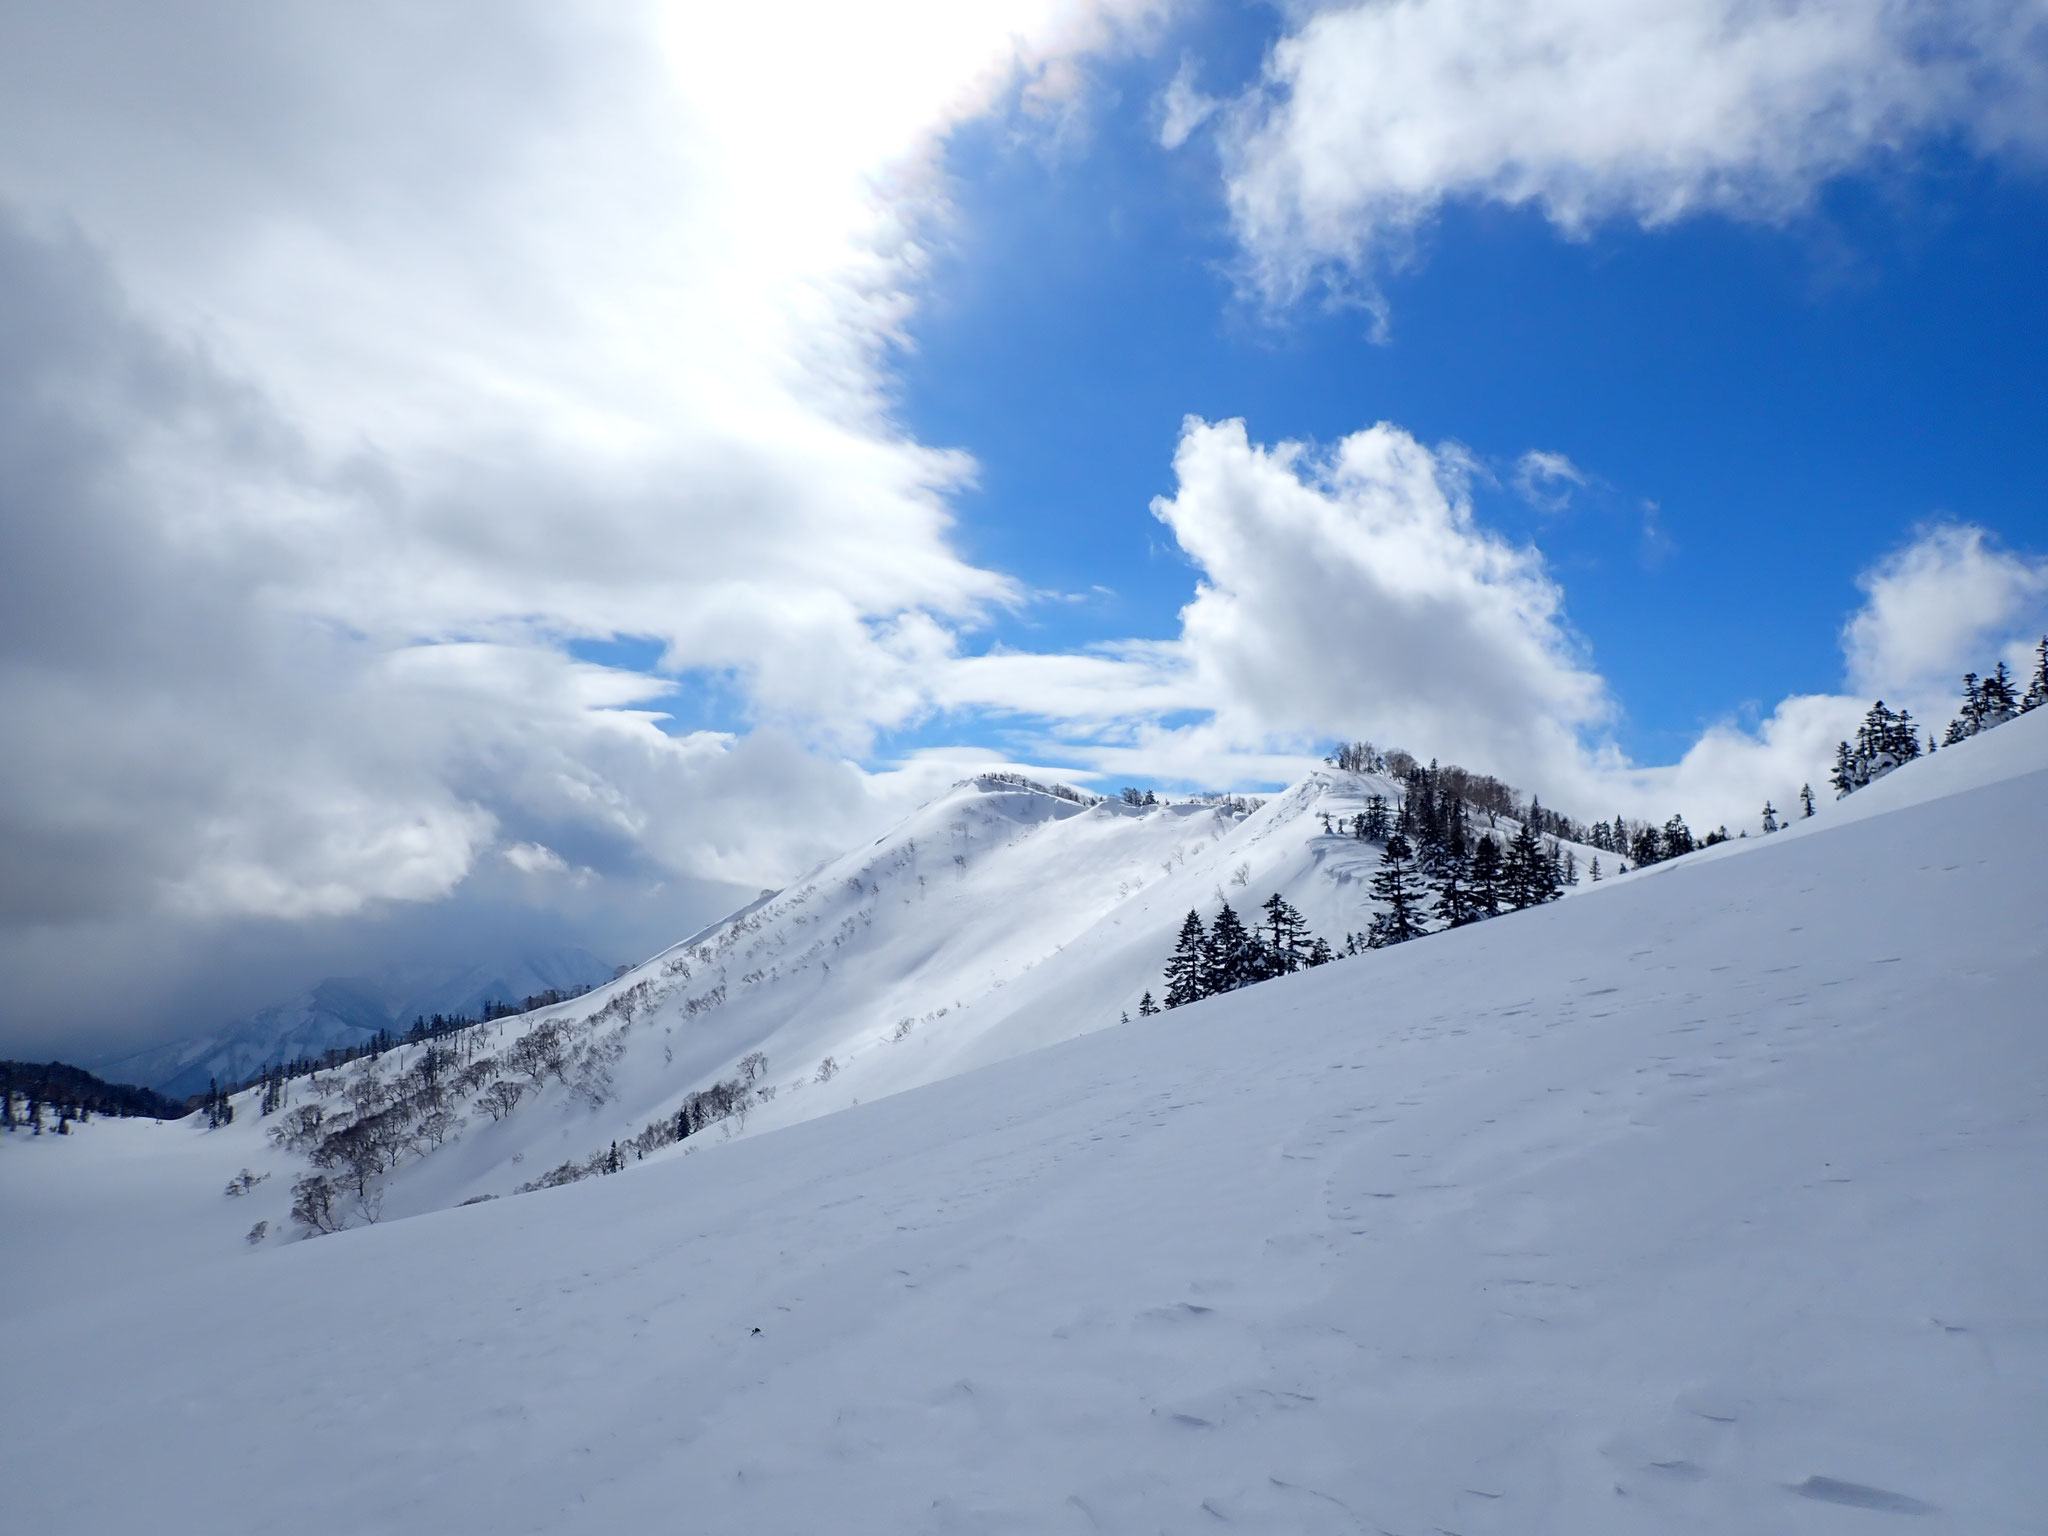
(1706, 1202)
(1000, 918)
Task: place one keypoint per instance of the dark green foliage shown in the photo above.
(1373, 823)
(1454, 907)
(1187, 970)
(1398, 887)
(1286, 938)
(1485, 880)
(75, 1094)
(1234, 957)
(1884, 741)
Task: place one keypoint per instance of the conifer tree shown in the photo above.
(2037, 685)
(1806, 797)
(1453, 905)
(1319, 953)
(1234, 955)
(1286, 937)
(1524, 871)
(1770, 817)
(1187, 971)
(1376, 824)
(1146, 1007)
(1486, 878)
(1998, 701)
(1400, 891)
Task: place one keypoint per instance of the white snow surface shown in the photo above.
(1707, 1201)
(998, 919)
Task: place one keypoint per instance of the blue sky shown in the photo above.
(1794, 397)
(543, 484)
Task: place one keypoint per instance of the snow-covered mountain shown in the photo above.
(1705, 1200)
(347, 1011)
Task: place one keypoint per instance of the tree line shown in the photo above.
(1888, 739)
(30, 1090)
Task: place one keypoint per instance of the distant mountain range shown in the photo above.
(347, 1011)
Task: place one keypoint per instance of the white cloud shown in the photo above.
(336, 337)
(1947, 603)
(1183, 107)
(1352, 593)
(1546, 480)
(352, 362)
(1372, 116)
(1346, 592)
(536, 859)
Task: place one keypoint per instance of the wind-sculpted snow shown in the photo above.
(1707, 1202)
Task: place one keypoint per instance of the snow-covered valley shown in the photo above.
(1707, 1200)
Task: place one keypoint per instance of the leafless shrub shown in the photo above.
(501, 1098)
(316, 1204)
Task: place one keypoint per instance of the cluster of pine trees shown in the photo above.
(1457, 887)
(1439, 868)
(30, 1090)
(1644, 842)
(1888, 738)
(1885, 740)
(1991, 700)
(1222, 958)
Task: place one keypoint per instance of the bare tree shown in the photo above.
(501, 1098)
(315, 1205)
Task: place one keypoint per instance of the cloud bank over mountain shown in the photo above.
(451, 464)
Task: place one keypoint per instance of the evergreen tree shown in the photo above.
(1377, 824)
(1187, 971)
(1678, 838)
(1486, 879)
(1525, 870)
(1286, 937)
(1806, 798)
(1844, 776)
(1319, 953)
(1453, 906)
(1998, 700)
(1400, 892)
(1770, 817)
(1146, 1007)
(1594, 872)
(2037, 685)
(1235, 959)
(1646, 845)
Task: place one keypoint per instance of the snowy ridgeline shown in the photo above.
(1705, 1201)
(1004, 916)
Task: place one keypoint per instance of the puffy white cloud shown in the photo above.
(1372, 115)
(1347, 591)
(1949, 602)
(1352, 592)
(353, 362)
